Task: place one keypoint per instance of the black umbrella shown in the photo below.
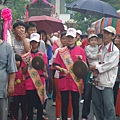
(93, 7)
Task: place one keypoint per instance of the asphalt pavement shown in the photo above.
(51, 112)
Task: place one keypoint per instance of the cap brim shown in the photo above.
(92, 37)
(79, 33)
(107, 30)
(34, 40)
(70, 35)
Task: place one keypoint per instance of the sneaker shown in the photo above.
(84, 119)
(69, 118)
(35, 111)
(58, 119)
(44, 112)
(49, 96)
(94, 118)
(44, 118)
(81, 101)
(54, 104)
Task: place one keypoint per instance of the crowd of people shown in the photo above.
(28, 88)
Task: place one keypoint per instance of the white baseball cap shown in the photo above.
(79, 32)
(110, 29)
(92, 35)
(71, 32)
(54, 38)
(35, 37)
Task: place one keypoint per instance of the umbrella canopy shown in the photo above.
(93, 7)
(46, 23)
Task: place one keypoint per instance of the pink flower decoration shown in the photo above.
(7, 17)
(6, 14)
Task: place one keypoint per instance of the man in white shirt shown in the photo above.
(102, 94)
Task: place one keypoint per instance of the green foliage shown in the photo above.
(18, 8)
(84, 21)
(69, 1)
(114, 3)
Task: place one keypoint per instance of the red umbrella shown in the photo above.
(47, 23)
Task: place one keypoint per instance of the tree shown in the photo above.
(114, 3)
(18, 8)
(69, 1)
(84, 21)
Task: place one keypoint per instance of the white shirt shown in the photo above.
(108, 65)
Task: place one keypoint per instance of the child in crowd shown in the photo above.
(35, 80)
(31, 27)
(56, 82)
(92, 55)
(20, 44)
(79, 33)
(19, 96)
(43, 36)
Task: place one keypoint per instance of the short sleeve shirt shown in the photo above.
(29, 83)
(66, 82)
(19, 84)
(19, 46)
(7, 66)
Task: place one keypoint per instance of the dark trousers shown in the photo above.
(54, 91)
(14, 107)
(115, 91)
(87, 101)
(75, 104)
(34, 101)
(54, 94)
(83, 94)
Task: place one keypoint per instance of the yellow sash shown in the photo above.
(65, 56)
(36, 79)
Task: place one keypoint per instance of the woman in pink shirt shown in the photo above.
(66, 82)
